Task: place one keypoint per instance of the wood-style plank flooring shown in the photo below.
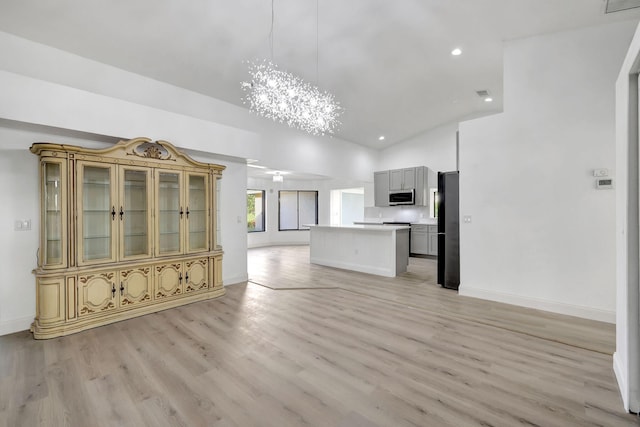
(288, 267)
(324, 347)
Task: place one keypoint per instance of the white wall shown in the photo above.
(435, 148)
(541, 234)
(288, 149)
(18, 190)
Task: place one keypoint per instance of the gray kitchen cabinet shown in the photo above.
(433, 240)
(402, 179)
(424, 239)
(381, 188)
(421, 179)
(419, 239)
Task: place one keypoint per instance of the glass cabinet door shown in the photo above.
(54, 242)
(197, 214)
(97, 219)
(170, 212)
(216, 224)
(134, 213)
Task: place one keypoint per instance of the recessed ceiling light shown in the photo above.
(457, 51)
(488, 99)
(381, 138)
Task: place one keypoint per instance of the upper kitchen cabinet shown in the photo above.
(125, 231)
(421, 179)
(402, 179)
(381, 188)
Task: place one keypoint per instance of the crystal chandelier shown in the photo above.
(286, 98)
(283, 97)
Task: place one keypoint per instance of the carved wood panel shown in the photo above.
(196, 275)
(135, 286)
(169, 280)
(96, 293)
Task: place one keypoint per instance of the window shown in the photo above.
(255, 210)
(433, 203)
(297, 208)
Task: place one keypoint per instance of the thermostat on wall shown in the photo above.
(604, 183)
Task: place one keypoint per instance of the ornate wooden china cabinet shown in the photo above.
(125, 231)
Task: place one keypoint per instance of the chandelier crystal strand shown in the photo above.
(286, 98)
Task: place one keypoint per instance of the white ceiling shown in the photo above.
(387, 62)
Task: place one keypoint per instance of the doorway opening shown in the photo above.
(347, 206)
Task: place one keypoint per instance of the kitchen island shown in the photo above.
(376, 249)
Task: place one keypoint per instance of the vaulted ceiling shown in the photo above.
(389, 63)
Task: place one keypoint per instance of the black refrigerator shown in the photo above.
(448, 205)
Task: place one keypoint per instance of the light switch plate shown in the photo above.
(466, 219)
(601, 172)
(22, 225)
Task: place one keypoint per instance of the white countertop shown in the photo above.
(370, 227)
(381, 223)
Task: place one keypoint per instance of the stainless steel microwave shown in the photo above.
(402, 197)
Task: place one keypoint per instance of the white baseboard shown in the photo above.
(15, 325)
(622, 380)
(267, 244)
(236, 279)
(540, 304)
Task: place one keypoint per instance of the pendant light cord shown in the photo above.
(317, 42)
(271, 32)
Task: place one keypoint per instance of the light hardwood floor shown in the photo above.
(318, 346)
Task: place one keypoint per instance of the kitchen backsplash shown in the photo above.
(411, 214)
